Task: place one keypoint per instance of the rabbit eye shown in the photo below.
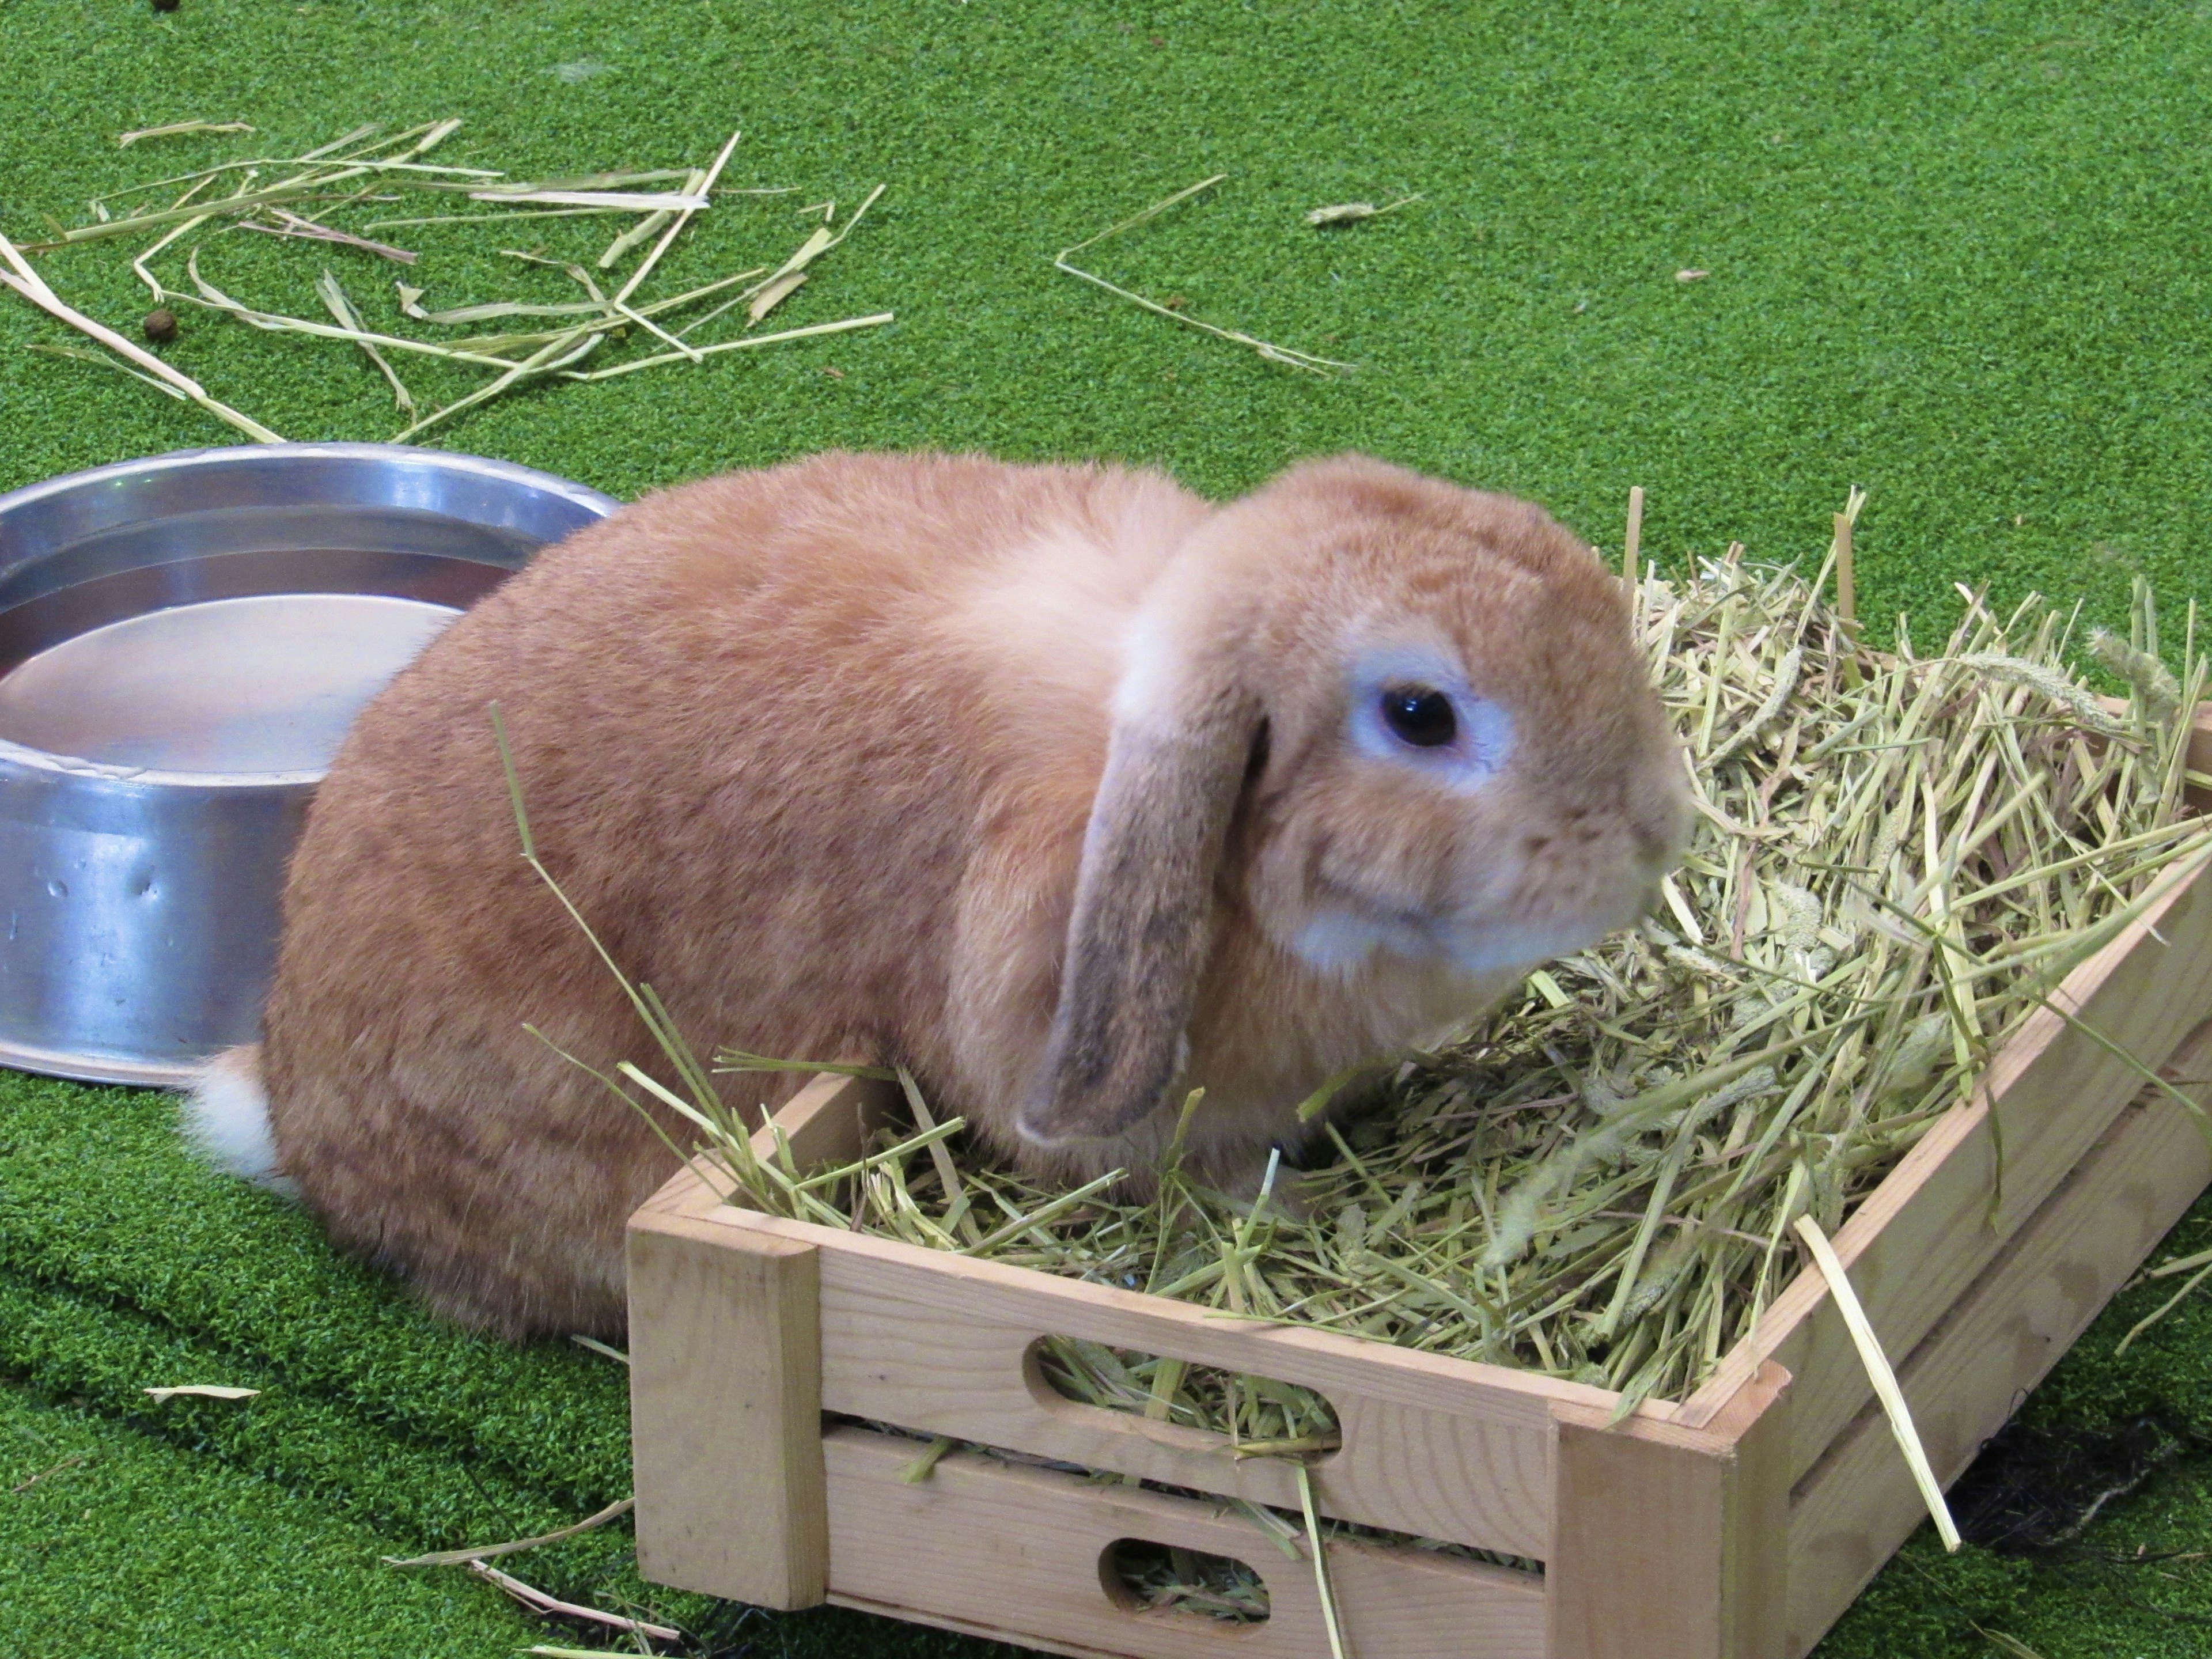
(1420, 716)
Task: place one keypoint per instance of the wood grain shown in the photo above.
(1437, 1447)
(726, 1410)
(1016, 1553)
(1858, 1503)
(1671, 1542)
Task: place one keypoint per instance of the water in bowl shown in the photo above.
(259, 684)
(232, 642)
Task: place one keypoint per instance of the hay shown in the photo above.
(1165, 1579)
(1275, 353)
(171, 382)
(178, 130)
(1883, 1378)
(362, 167)
(1884, 880)
(1347, 213)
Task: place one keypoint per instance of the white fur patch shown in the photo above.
(1520, 947)
(227, 1120)
(1151, 676)
(1339, 941)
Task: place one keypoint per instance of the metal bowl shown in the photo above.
(183, 643)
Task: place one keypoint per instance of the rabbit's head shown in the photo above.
(1382, 713)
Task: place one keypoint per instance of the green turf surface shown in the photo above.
(245, 1528)
(1954, 255)
(92, 1557)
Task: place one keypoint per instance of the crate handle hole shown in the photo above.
(1165, 1581)
(1273, 1416)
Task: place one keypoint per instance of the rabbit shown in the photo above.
(1058, 784)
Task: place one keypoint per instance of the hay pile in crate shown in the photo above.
(1896, 856)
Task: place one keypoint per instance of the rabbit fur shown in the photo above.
(1058, 784)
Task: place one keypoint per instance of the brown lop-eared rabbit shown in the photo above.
(1059, 785)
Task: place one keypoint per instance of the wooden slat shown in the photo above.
(725, 1410)
(1433, 1446)
(1755, 1545)
(829, 1120)
(1924, 1235)
(1672, 1543)
(1018, 1552)
(1968, 1377)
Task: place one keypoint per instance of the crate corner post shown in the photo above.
(725, 1405)
(1670, 1541)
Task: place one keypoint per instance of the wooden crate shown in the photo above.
(1737, 1523)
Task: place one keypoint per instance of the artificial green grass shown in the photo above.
(248, 1528)
(93, 1556)
(124, 1265)
(1954, 250)
(1954, 255)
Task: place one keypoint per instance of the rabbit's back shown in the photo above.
(762, 724)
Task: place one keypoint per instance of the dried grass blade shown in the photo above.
(73, 355)
(1345, 213)
(1283, 354)
(745, 344)
(340, 307)
(643, 231)
(277, 323)
(360, 134)
(601, 181)
(178, 130)
(139, 264)
(291, 224)
(555, 355)
(683, 217)
(540, 1602)
(1044, 1212)
(1314, 1544)
(202, 1390)
(488, 218)
(613, 1511)
(1881, 1376)
(615, 201)
(28, 283)
(889, 1157)
(924, 1463)
(737, 1059)
(2164, 1307)
(69, 1462)
(791, 276)
(774, 293)
(958, 1215)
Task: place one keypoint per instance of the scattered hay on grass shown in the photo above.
(1347, 213)
(298, 197)
(1275, 353)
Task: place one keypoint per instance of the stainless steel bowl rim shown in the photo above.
(41, 760)
(597, 501)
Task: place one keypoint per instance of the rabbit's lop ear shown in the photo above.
(1138, 936)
